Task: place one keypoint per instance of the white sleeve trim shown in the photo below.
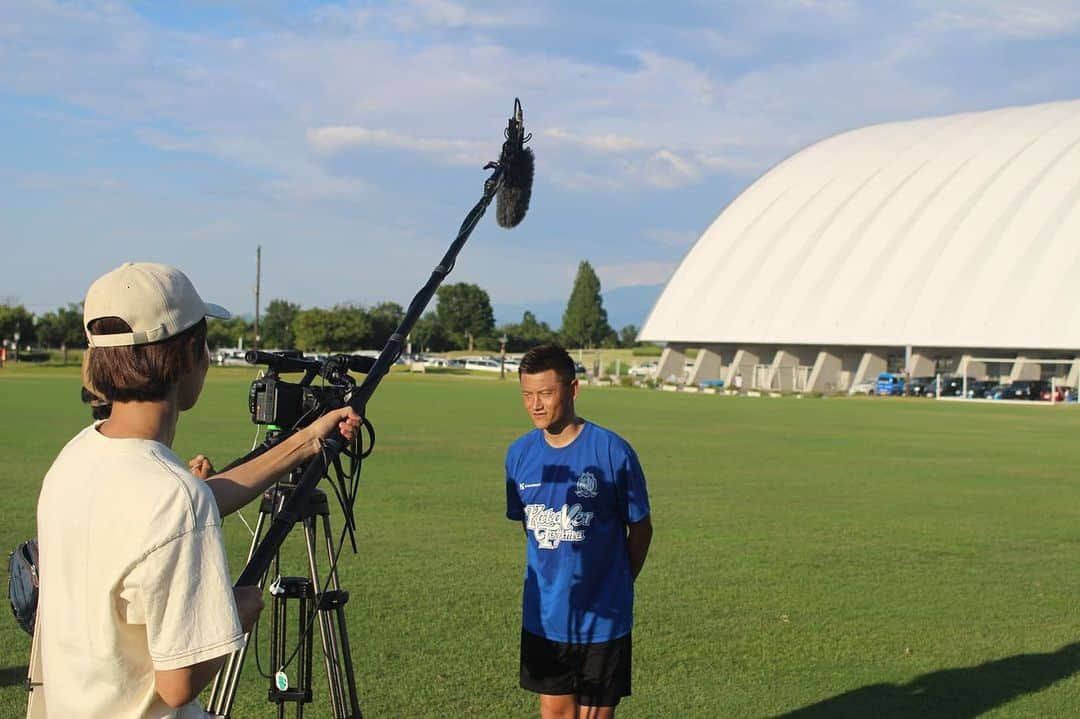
(197, 656)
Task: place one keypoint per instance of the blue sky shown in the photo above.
(347, 139)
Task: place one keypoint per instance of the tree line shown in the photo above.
(462, 319)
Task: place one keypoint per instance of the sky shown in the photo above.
(348, 139)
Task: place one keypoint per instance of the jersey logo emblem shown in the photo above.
(551, 527)
(586, 486)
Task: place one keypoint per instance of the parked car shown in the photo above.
(1030, 389)
(980, 389)
(483, 364)
(867, 388)
(919, 386)
(444, 362)
(1057, 394)
(643, 370)
(946, 386)
(231, 358)
(952, 386)
(933, 389)
(889, 383)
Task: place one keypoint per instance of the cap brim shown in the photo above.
(217, 311)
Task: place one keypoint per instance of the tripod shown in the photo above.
(312, 604)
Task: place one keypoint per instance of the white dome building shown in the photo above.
(948, 244)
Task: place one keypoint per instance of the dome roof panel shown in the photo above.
(950, 231)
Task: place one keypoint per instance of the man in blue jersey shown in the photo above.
(579, 491)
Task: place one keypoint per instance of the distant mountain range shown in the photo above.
(625, 306)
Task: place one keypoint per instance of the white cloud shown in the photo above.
(346, 72)
(609, 142)
(454, 15)
(1007, 18)
(674, 238)
(170, 142)
(718, 162)
(631, 110)
(585, 180)
(841, 8)
(661, 169)
(57, 182)
(668, 170)
(318, 187)
(634, 273)
(337, 139)
(641, 163)
(265, 99)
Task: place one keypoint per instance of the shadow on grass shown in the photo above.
(953, 693)
(13, 676)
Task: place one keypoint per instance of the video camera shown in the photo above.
(293, 405)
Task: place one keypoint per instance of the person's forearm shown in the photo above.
(178, 687)
(205, 672)
(239, 485)
(638, 538)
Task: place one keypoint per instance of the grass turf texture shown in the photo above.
(812, 558)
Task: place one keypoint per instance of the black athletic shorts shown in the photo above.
(597, 674)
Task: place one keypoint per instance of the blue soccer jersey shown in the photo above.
(575, 502)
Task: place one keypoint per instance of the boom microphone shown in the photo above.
(511, 182)
(516, 161)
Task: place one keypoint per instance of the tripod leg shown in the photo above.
(326, 628)
(223, 690)
(343, 634)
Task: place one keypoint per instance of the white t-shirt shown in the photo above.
(133, 578)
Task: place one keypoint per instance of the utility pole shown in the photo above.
(258, 277)
(502, 355)
(907, 370)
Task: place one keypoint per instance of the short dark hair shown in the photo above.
(141, 373)
(545, 357)
(99, 408)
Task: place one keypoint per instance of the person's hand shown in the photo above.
(344, 420)
(201, 467)
(249, 603)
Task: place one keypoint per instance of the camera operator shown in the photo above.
(136, 610)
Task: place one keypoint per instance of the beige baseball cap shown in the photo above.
(157, 302)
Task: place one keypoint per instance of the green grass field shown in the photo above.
(812, 558)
